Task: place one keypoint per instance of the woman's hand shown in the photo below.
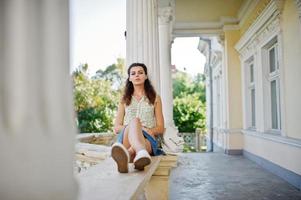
(118, 128)
(118, 124)
(149, 131)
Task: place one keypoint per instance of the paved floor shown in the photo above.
(217, 176)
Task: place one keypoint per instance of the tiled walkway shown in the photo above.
(217, 176)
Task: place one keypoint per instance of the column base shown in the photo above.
(172, 142)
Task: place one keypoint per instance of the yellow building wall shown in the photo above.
(253, 15)
(234, 80)
(285, 155)
(292, 69)
(281, 154)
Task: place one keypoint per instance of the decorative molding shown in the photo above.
(197, 25)
(274, 138)
(230, 131)
(209, 28)
(216, 58)
(228, 20)
(271, 28)
(196, 32)
(279, 5)
(207, 25)
(165, 15)
(246, 10)
(203, 47)
(221, 40)
(266, 24)
(298, 3)
(230, 27)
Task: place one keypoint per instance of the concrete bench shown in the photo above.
(103, 181)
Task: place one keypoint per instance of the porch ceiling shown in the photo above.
(206, 10)
(207, 16)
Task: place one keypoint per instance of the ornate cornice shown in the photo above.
(268, 23)
(271, 28)
(298, 2)
(250, 16)
(280, 5)
(216, 58)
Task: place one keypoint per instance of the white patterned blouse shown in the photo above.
(143, 110)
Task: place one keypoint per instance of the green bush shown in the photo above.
(95, 99)
(95, 120)
(189, 113)
(189, 102)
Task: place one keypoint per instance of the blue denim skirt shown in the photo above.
(156, 151)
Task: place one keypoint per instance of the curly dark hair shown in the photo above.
(129, 88)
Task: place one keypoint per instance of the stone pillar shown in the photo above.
(233, 77)
(142, 37)
(165, 17)
(165, 27)
(37, 129)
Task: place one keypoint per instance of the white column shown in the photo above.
(142, 37)
(37, 129)
(165, 17)
(174, 143)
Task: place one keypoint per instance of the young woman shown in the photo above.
(139, 119)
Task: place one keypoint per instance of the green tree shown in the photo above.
(95, 99)
(189, 102)
(199, 87)
(112, 73)
(184, 85)
(189, 113)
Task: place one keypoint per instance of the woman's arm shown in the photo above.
(118, 125)
(159, 129)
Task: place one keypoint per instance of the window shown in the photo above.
(274, 91)
(251, 94)
(272, 87)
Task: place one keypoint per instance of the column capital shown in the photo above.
(165, 15)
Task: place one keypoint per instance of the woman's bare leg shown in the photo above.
(133, 138)
(135, 135)
(132, 154)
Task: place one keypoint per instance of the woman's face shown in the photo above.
(137, 75)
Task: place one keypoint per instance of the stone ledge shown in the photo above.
(103, 181)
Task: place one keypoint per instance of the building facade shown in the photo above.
(252, 73)
(253, 79)
(253, 48)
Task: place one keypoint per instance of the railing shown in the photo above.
(194, 142)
